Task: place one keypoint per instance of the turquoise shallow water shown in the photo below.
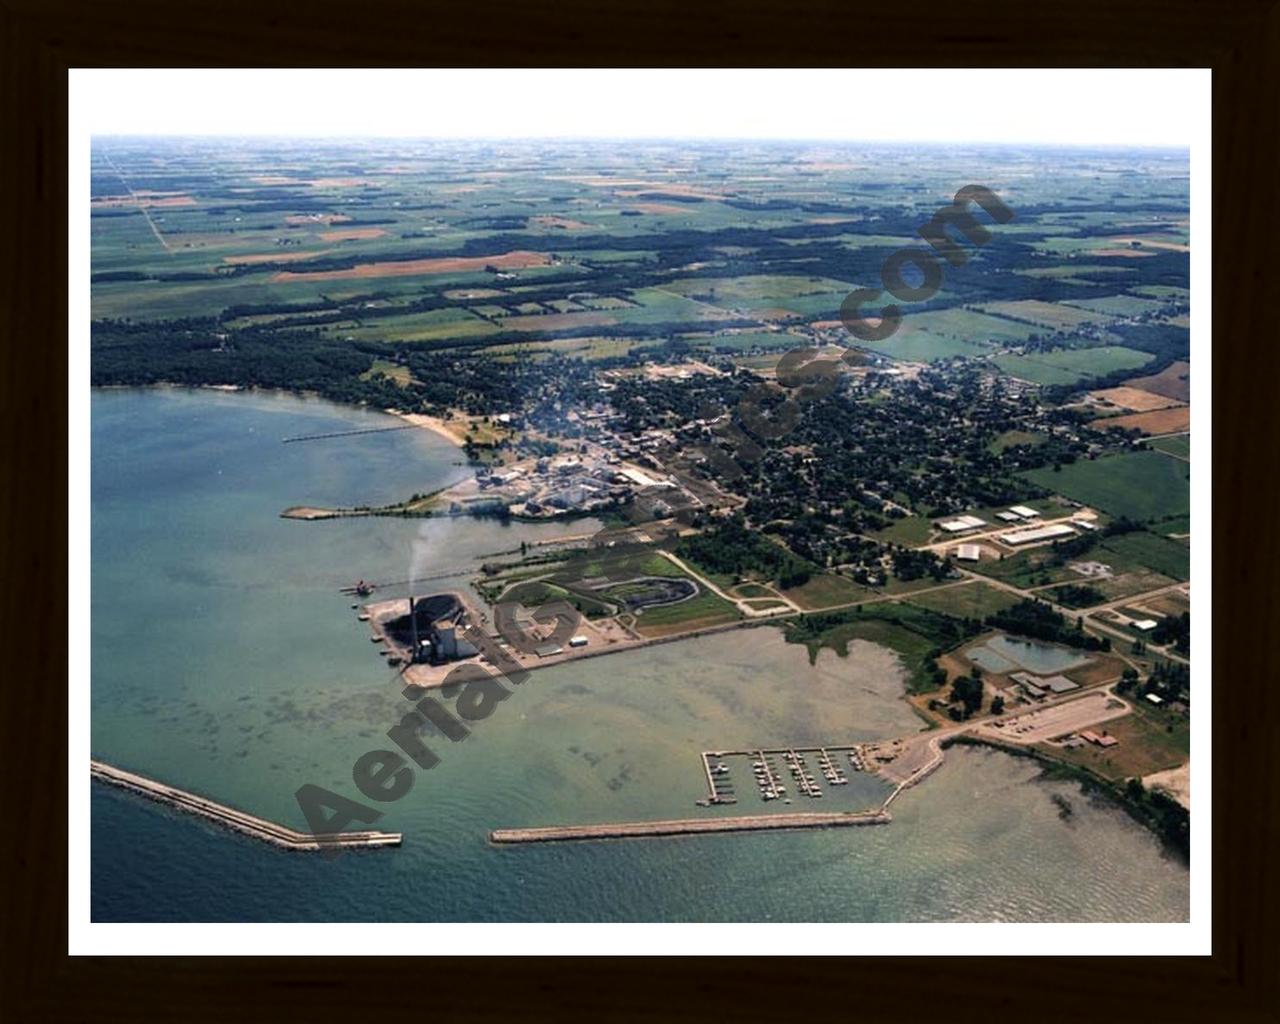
(225, 660)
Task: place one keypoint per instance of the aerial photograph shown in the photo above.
(609, 527)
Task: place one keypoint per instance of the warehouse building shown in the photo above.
(961, 523)
(1037, 533)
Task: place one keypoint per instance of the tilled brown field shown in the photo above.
(516, 260)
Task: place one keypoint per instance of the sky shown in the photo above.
(1131, 107)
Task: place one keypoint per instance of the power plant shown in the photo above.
(432, 625)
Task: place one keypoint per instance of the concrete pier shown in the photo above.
(689, 826)
(229, 817)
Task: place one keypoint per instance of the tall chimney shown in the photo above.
(413, 626)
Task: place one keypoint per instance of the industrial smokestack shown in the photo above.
(413, 627)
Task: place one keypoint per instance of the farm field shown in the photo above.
(941, 334)
(1133, 399)
(1145, 486)
(1159, 421)
(1119, 305)
(743, 341)
(1145, 549)
(1179, 447)
(1067, 366)
(1054, 315)
(1174, 381)
(429, 326)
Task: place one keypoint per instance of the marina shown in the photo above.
(769, 780)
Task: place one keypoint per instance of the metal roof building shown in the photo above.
(1037, 533)
(961, 523)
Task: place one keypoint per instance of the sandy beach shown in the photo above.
(452, 430)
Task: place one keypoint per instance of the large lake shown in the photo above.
(225, 660)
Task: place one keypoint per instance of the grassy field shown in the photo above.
(742, 341)
(911, 531)
(1149, 550)
(1052, 315)
(1014, 437)
(540, 592)
(1028, 569)
(707, 609)
(589, 349)
(429, 326)
(1179, 447)
(1141, 485)
(1135, 581)
(755, 288)
(1173, 525)
(919, 346)
(941, 334)
(399, 374)
(1067, 366)
(1118, 305)
(825, 590)
(973, 600)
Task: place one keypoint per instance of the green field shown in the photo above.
(741, 341)
(540, 592)
(1119, 305)
(911, 531)
(707, 609)
(923, 347)
(755, 290)
(941, 334)
(1150, 550)
(1179, 445)
(1051, 315)
(1145, 486)
(1028, 569)
(1067, 366)
(825, 590)
(429, 326)
(1014, 437)
(399, 374)
(966, 600)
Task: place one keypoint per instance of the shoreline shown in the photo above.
(1090, 782)
(440, 427)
